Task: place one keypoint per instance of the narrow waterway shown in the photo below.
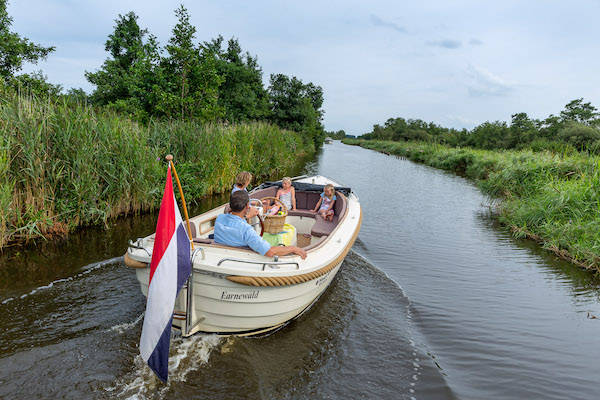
(435, 302)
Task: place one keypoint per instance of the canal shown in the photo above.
(434, 302)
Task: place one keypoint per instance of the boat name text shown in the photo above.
(239, 296)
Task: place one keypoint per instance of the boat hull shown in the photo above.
(224, 307)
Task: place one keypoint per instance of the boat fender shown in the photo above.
(130, 262)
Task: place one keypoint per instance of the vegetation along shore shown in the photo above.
(552, 198)
(70, 159)
(546, 171)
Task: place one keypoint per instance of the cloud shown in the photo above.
(375, 20)
(462, 122)
(446, 43)
(475, 42)
(483, 83)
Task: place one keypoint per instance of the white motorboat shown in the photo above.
(235, 291)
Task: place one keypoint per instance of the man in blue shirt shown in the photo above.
(233, 230)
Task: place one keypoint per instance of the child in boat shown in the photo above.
(242, 180)
(287, 195)
(326, 203)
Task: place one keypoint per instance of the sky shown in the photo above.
(457, 63)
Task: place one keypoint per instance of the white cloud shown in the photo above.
(481, 82)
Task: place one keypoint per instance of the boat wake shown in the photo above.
(124, 327)
(85, 270)
(186, 355)
(415, 349)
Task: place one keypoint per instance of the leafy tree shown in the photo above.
(35, 83)
(578, 111)
(242, 94)
(297, 106)
(129, 79)
(489, 135)
(579, 135)
(522, 130)
(77, 96)
(341, 134)
(14, 49)
(191, 75)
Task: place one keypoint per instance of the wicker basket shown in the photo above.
(274, 223)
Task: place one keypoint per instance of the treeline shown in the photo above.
(338, 135)
(185, 79)
(576, 128)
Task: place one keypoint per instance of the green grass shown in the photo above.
(63, 166)
(552, 198)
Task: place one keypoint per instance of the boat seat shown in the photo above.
(306, 200)
(323, 227)
(267, 192)
(302, 213)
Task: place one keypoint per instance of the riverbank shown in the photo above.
(64, 165)
(553, 199)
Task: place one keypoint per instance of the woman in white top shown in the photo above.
(287, 195)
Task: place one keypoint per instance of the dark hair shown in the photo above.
(239, 200)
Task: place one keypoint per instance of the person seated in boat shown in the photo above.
(242, 180)
(287, 195)
(232, 230)
(326, 203)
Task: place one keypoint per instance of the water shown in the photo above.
(434, 302)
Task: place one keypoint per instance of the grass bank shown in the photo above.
(63, 166)
(551, 198)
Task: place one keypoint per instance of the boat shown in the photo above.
(328, 140)
(235, 291)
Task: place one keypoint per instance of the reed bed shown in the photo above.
(552, 198)
(66, 165)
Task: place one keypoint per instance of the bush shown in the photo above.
(71, 165)
(578, 135)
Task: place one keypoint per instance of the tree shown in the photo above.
(242, 94)
(15, 50)
(191, 75)
(489, 135)
(579, 135)
(578, 111)
(36, 83)
(130, 78)
(522, 130)
(297, 106)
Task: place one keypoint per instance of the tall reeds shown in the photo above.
(553, 198)
(65, 165)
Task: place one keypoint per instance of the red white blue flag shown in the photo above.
(169, 270)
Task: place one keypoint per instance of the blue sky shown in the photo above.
(457, 63)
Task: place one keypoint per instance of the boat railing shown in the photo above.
(272, 264)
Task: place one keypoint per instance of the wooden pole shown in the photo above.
(169, 158)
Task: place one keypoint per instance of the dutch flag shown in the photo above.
(169, 270)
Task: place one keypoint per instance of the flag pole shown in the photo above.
(169, 158)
